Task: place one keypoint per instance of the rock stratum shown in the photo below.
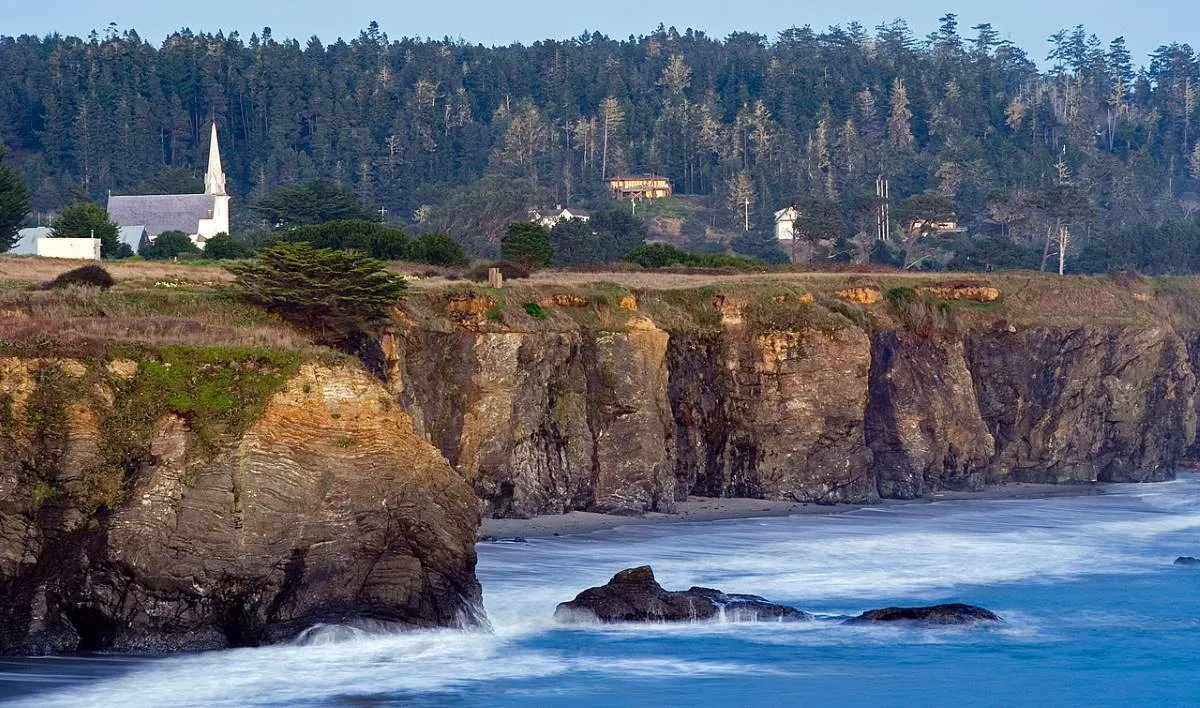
(848, 397)
(125, 530)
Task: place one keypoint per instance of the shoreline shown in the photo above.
(717, 509)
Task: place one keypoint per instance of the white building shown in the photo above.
(559, 214)
(82, 249)
(785, 223)
(200, 216)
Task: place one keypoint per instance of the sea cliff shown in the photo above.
(178, 471)
(194, 500)
(623, 401)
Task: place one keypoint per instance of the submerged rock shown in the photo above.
(633, 595)
(952, 613)
(1187, 560)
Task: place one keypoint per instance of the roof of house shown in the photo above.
(629, 178)
(26, 244)
(132, 236)
(162, 212)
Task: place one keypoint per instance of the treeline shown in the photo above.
(462, 138)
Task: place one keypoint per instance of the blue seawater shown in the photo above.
(1096, 612)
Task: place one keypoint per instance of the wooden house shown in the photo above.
(640, 187)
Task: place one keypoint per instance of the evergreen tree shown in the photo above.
(14, 202)
(340, 296)
(527, 244)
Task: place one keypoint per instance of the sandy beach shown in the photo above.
(712, 509)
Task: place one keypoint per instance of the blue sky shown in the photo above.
(1145, 25)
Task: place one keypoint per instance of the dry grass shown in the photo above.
(80, 319)
(29, 270)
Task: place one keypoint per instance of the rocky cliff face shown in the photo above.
(793, 400)
(545, 422)
(326, 507)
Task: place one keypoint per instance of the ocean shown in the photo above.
(1095, 613)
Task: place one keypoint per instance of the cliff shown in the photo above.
(623, 400)
(181, 471)
(195, 499)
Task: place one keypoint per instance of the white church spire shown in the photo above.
(214, 180)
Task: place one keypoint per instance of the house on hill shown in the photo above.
(785, 223)
(559, 213)
(200, 216)
(640, 187)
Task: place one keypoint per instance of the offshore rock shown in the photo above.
(948, 614)
(633, 595)
(327, 509)
(1187, 560)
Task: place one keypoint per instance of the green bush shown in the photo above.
(89, 275)
(168, 245)
(437, 249)
(337, 295)
(656, 255)
(536, 311)
(662, 255)
(222, 247)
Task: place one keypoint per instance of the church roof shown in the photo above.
(162, 212)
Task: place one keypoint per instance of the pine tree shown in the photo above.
(339, 296)
(14, 202)
(899, 123)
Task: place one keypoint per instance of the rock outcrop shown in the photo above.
(633, 595)
(545, 422)
(948, 614)
(326, 508)
(1109, 404)
(788, 397)
(1187, 560)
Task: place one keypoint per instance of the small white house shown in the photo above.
(559, 214)
(785, 222)
(84, 249)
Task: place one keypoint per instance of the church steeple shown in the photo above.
(214, 180)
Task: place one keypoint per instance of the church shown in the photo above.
(200, 216)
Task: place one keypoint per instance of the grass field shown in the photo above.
(156, 303)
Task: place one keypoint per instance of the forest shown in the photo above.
(1095, 155)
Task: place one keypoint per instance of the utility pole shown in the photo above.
(883, 221)
(746, 213)
(383, 215)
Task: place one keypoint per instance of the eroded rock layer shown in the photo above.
(327, 508)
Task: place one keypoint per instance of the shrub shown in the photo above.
(536, 311)
(510, 271)
(339, 296)
(88, 275)
(656, 255)
(662, 255)
(223, 247)
(168, 245)
(437, 249)
(372, 238)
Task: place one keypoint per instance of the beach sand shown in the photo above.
(712, 509)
